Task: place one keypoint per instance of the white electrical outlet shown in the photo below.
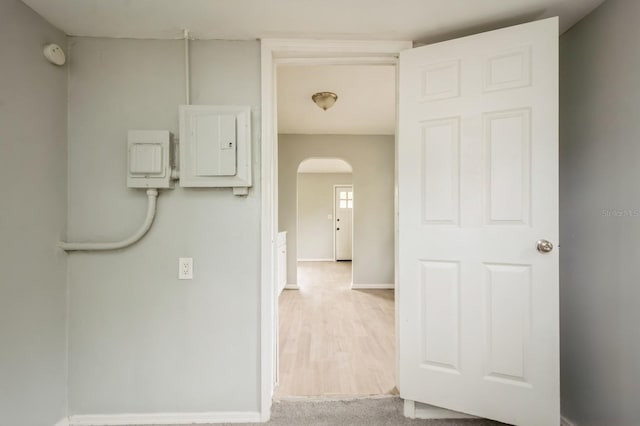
(185, 268)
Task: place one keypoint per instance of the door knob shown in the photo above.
(337, 229)
(544, 246)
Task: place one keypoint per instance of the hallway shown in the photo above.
(335, 341)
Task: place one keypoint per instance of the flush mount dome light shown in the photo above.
(324, 100)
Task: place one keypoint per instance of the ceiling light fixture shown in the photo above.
(324, 100)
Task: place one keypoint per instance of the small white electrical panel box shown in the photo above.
(150, 159)
(215, 147)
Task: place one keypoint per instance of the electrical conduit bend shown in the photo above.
(152, 195)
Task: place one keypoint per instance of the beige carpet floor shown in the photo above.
(359, 412)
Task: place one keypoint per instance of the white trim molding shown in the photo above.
(164, 418)
(369, 60)
(269, 231)
(292, 52)
(63, 422)
(310, 49)
(292, 287)
(372, 286)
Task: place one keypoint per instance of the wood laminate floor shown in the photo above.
(335, 341)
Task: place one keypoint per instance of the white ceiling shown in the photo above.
(365, 105)
(366, 95)
(324, 165)
(416, 20)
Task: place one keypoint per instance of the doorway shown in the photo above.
(318, 213)
(336, 315)
(430, 74)
(300, 52)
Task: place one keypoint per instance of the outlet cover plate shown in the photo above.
(185, 268)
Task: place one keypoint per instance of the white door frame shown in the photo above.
(294, 52)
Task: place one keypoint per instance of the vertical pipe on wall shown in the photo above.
(186, 68)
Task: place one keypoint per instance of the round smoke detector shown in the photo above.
(54, 54)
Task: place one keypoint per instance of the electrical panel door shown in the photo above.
(215, 147)
(150, 159)
(214, 139)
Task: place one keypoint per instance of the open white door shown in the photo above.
(478, 187)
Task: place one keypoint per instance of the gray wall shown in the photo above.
(33, 165)
(372, 159)
(315, 203)
(600, 217)
(141, 341)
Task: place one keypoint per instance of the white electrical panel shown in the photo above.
(150, 157)
(215, 147)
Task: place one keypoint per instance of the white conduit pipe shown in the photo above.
(187, 72)
(152, 195)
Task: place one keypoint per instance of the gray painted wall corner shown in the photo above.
(33, 169)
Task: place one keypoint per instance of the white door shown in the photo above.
(343, 222)
(478, 187)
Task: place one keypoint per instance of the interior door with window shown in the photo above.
(343, 223)
(478, 218)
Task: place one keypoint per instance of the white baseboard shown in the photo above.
(63, 422)
(163, 419)
(566, 422)
(372, 286)
(291, 287)
(315, 260)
